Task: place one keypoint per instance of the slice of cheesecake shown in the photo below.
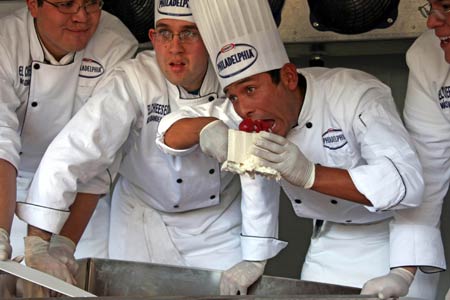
(239, 159)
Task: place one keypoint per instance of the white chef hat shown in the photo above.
(241, 37)
(173, 9)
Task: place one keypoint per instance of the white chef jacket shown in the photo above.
(427, 118)
(348, 120)
(37, 99)
(122, 117)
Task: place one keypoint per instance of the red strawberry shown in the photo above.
(246, 125)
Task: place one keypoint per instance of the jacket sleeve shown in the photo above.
(85, 148)
(260, 208)
(9, 103)
(417, 229)
(391, 177)
(220, 109)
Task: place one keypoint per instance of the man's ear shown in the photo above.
(289, 76)
(150, 31)
(33, 7)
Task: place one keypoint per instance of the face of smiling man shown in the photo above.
(183, 63)
(63, 33)
(439, 20)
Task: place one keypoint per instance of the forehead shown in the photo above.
(175, 24)
(260, 78)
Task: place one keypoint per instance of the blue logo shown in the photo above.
(444, 97)
(334, 139)
(235, 58)
(90, 68)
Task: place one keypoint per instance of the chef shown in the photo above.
(427, 118)
(345, 158)
(180, 211)
(53, 55)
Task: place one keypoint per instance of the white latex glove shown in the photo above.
(238, 278)
(5, 247)
(447, 296)
(63, 249)
(38, 257)
(214, 140)
(280, 154)
(395, 284)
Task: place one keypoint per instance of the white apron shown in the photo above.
(174, 238)
(344, 254)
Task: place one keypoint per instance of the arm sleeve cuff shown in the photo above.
(45, 218)
(417, 245)
(259, 248)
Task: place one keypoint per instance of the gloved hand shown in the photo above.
(38, 257)
(5, 247)
(63, 249)
(447, 296)
(214, 140)
(280, 154)
(239, 277)
(395, 284)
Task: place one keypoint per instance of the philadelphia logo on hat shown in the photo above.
(234, 59)
(166, 7)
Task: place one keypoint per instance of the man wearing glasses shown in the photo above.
(53, 55)
(170, 210)
(427, 118)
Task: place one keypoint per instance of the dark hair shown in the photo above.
(275, 75)
(276, 78)
(40, 2)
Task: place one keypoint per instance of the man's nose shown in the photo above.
(175, 45)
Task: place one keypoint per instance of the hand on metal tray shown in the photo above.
(395, 284)
(5, 247)
(237, 279)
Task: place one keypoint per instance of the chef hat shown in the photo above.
(173, 9)
(241, 37)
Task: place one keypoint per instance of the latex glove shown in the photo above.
(395, 284)
(5, 247)
(238, 278)
(38, 257)
(447, 296)
(282, 155)
(63, 249)
(214, 140)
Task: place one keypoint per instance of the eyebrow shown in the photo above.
(225, 90)
(189, 27)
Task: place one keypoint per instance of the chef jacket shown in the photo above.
(36, 98)
(427, 118)
(349, 121)
(122, 118)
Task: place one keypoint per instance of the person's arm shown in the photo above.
(185, 133)
(338, 183)
(54, 253)
(7, 194)
(7, 206)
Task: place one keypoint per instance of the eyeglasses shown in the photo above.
(70, 7)
(185, 36)
(440, 12)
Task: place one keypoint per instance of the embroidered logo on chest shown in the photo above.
(333, 139)
(444, 97)
(91, 69)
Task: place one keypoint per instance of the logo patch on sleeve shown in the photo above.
(334, 139)
(90, 68)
